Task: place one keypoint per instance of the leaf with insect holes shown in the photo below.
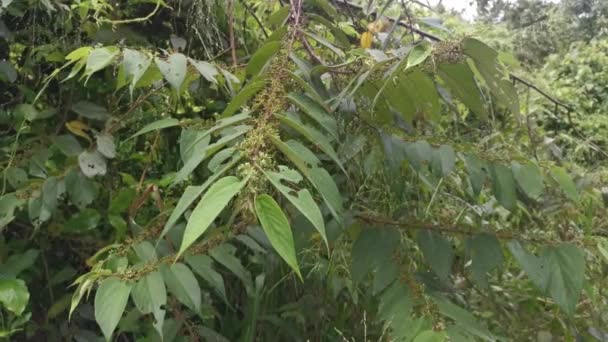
(173, 69)
(301, 199)
(92, 163)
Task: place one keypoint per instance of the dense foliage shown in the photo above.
(266, 171)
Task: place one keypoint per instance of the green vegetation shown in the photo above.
(316, 170)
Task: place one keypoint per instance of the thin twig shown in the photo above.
(134, 20)
(252, 12)
(231, 31)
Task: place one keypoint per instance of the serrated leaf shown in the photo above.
(183, 285)
(277, 229)
(503, 186)
(565, 267)
(173, 69)
(372, 250)
(486, 254)
(437, 251)
(301, 199)
(530, 263)
(110, 303)
(156, 125)
(213, 202)
(529, 179)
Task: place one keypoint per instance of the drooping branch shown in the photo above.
(432, 37)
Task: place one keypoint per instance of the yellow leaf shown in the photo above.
(78, 128)
(366, 40)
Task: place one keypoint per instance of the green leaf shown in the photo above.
(338, 34)
(99, 58)
(418, 54)
(443, 160)
(486, 254)
(16, 177)
(80, 189)
(261, 57)
(495, 78)
(437, 251)
(277, 229)
(90, 110)
(150, 295)
(314, 136)
(565, 267)
(82, 222)
(461, 83)
(156, 125)
(319, 177)
(477, 176)
(16, 263)
(529, 179)
(191, 194)
(503, 186)
(135, 65)
(242, 97)
(14, 295)
(105, 145)
(463, 318)
(530, 263)
(213, 202)
(199, 156)
(565, 182)
(203, 266)
(189, 143)
(301, 199)
(325, 43)
(224, 254)
(316, 112)
(430, 336)
(67, 144)
(182, 283)
(372, 250)
(206, 69)
(110, 303)
(173, 69)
